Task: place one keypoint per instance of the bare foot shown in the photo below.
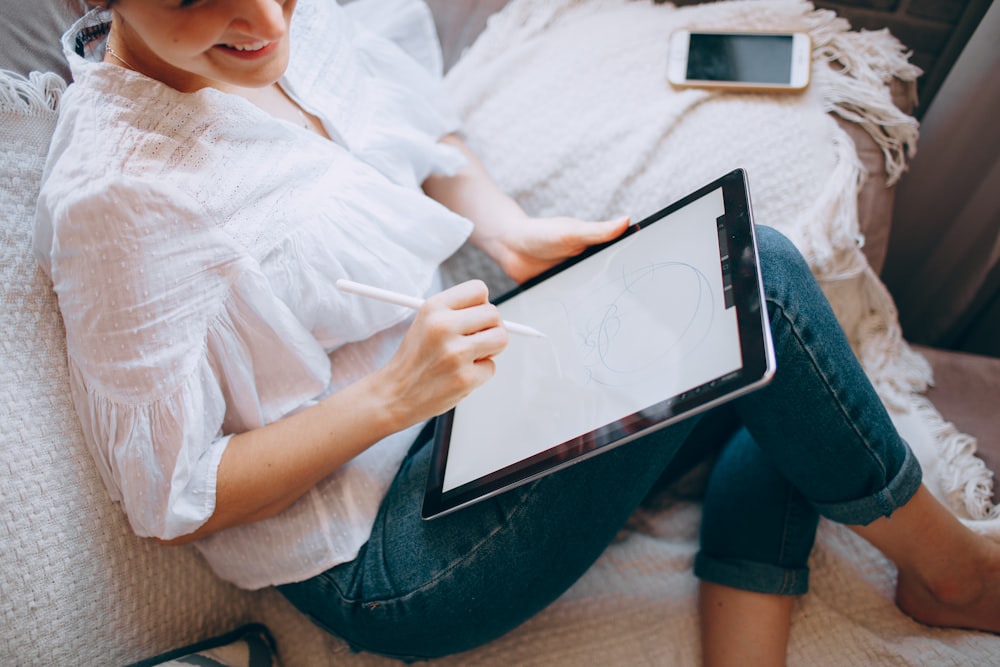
(967, 599)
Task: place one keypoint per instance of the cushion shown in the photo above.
(66, 551)
(459, 23)
(966, 387)
(30, 32)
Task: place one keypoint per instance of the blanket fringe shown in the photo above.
(899, 374)
(963, 476)
(874, 59)
(830, 225)
(38, 93)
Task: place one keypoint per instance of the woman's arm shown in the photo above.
(446, 353)
(522, 246)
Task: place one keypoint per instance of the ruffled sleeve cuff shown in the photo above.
(156, 458)
(161, 457)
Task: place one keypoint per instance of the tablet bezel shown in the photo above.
(755, 343)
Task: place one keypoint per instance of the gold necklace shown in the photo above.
(111, 52)
(303, 118)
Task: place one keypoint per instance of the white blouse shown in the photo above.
(194, 241)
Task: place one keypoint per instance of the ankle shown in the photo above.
(960, 582)
(953, 589)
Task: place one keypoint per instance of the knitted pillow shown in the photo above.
(78, 586)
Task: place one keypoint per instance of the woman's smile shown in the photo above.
(249, 50)
(225, 44)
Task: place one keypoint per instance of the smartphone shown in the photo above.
(750, 61)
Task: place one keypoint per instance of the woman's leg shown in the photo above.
(422, 589)
(743, 627)
(822, 426)
(948, 575)
(756, 535)
(824, 437)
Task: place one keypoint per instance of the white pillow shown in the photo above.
(30, 33)
(78, 586)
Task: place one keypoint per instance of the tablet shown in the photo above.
(665, 321)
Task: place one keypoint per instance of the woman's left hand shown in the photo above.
(521, 245)
(525, 246)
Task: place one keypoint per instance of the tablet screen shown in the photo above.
(632, 331)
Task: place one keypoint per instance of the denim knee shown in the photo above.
(820, 419)
(780, 257)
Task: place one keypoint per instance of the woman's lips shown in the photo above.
(249, 50)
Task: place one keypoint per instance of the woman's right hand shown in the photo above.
(447, 352)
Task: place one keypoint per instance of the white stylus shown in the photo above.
(413, 302)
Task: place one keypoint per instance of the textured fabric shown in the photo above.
(529, 111)
(197, 287)
(78, 586)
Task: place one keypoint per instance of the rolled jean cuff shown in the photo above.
(896, 493)
(751, 576)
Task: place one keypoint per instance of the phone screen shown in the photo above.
(741, 58)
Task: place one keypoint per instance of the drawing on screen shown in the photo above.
(614, 324)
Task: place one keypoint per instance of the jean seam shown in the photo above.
(897, 492)
(780, 580)
(783, 313)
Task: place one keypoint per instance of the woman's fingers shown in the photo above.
(448, 350)
(582, 235)
(464, 295)
(541, 243)
(471, 310)
(468, 313)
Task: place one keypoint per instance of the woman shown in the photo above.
(218, 164)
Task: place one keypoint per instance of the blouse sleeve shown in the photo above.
(170, 330)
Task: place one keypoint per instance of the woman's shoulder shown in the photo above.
(126, 121)
(117, 134)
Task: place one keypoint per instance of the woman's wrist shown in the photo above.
(473, 194)
(494, 233)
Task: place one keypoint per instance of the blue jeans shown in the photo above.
(816, 441)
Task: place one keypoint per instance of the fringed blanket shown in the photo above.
(568, 104)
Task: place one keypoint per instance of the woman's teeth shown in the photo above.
(256, 46)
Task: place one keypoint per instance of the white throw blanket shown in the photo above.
(568, 104)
